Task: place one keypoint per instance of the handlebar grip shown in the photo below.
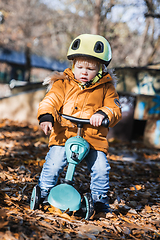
(105, 122)
(81, 121)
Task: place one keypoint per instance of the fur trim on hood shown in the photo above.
(113, 76)
(53, 78)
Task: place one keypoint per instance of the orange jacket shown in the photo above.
(68, 98)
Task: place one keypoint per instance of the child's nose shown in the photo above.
(84, 71)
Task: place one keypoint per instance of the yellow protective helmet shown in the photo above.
(89, 45)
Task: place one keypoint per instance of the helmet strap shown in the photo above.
(73, 68)
(98, 76)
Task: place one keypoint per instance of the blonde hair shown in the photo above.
(86, 60)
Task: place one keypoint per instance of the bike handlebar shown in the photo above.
(81, 121)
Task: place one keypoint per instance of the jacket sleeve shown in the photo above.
(112, 106)
(46, 118)
(53, 100)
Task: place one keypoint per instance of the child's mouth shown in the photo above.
(84, 79)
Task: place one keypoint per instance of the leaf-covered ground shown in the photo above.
(134, 193)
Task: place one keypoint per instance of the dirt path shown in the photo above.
(134, 193)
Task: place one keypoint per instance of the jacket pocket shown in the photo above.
(102, 132)
(92, 131)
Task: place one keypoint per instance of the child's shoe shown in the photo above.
(101, 207)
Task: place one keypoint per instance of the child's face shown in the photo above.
(85, 70)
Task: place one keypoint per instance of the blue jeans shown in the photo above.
(97, 165)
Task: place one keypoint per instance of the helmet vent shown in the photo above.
(76, 44)
(99, 47)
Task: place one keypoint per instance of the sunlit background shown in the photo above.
(46, 27)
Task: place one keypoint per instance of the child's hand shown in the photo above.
(46, 126)
(96, 119)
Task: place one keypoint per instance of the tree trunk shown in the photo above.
(156, 46)
(142, 42)
(28, 63)
(96, 18)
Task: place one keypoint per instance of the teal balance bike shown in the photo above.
(64, 196)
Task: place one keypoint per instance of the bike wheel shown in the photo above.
(87, 207)
(35, 198)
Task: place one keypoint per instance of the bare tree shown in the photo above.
(33, 27)
(25, 22)
(100, 10)
(97, 17)
(150, 16)
(148, 44)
